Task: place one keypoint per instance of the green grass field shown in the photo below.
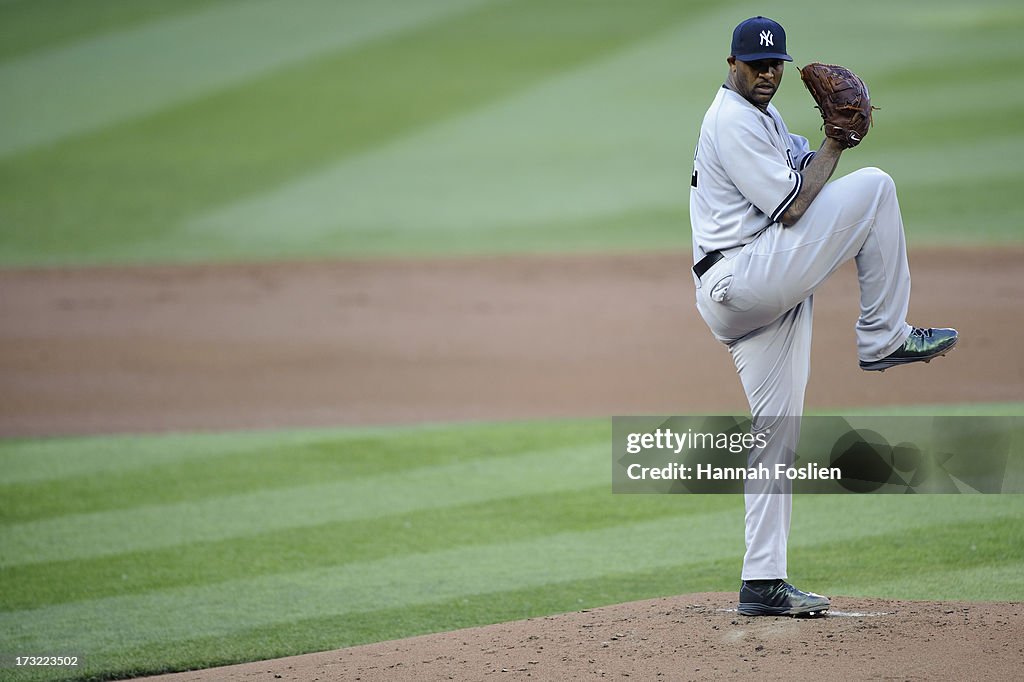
(165, 131)
(165, 552)
(159, 131)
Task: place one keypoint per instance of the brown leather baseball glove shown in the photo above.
(843, 99)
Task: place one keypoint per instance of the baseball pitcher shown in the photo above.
(768, 229)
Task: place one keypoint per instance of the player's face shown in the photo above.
(756, 81)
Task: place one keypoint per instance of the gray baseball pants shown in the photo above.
(758, 300)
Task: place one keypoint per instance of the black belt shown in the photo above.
(705, 263)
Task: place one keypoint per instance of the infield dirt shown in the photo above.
(105, 350)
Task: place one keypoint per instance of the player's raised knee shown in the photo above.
(879, 175)
(877, 178)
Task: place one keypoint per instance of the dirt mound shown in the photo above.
(690, 637)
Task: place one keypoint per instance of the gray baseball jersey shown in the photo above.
(758, 298)
(745, 173)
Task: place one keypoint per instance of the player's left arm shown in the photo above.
(818, 171)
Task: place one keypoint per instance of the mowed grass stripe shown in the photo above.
(135, 182)
(609, 137)
(910, 129)
(936, 196)
(103, 80)
(1001, 581)
(332, 632)
(402, 579)
(348, 203)
(169, 469)
(927, 557)
(416, 579)
(96, 534)
(646, 229)
(341, 542)
(907, 41)
(30, 25)
(917, 170)
(968, 81)
(947, 208)
(841, 567)
(559, 164)
(583, 144)
(366, 449)
(26, 462)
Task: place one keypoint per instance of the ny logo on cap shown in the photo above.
(767, 39)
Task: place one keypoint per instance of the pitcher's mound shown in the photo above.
(689, 637)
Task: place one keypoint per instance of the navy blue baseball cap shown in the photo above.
(759, 38)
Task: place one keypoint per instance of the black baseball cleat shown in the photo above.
(779, 598)
(921, 346)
